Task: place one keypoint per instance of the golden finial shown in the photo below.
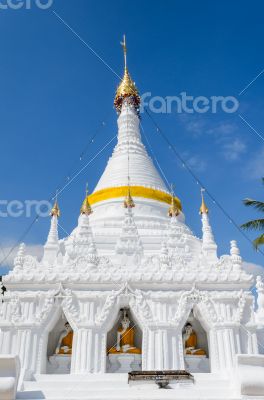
(86, 208)
(203, 208)
(123, 44)
(129, 202)
(173, 210)
(55, 211)
(126, 88)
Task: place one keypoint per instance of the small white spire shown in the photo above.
(52, 244)
(174, 232)
(164, 256)
(235, 255)
(81, 242)
(209, 247)
(129, 246)
(19, 259)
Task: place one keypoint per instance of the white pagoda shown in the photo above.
(132, 289)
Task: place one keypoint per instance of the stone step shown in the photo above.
(79, 377)
(78, 385)
(89, 385)
(102, 380)
(115, 387)
(131, 394)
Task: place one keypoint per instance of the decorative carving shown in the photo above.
(108, 305)
(189, 299)
(141, 308)
(16, 314)
(69, 308)
(46, 308)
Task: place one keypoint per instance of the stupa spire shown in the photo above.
(81, 242)
(129, 247)
(127, 88)
(129, 202)
(123, 44)
(203, 208)
(209, 247)
(86, 208)
(52, 244)
(145, 181)
(173, 210)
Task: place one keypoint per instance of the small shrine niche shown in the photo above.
(59, 349)
(124, 344)
(195, 345)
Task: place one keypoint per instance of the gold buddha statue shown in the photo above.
(190, 342)
(65, 341)
(125, 338)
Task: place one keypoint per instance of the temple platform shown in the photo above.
(115, 387)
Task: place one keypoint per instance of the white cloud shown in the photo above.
(253, 269)
(233, 150)
(196, 163)
(198, 126)
(222, 128)
(224, 133)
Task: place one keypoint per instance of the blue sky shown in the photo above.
(55, 93)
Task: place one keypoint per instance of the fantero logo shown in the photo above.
(25, 4)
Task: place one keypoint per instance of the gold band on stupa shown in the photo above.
(135, 191)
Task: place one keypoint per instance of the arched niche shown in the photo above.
(57, 363)
(194, 361)
(124, 361)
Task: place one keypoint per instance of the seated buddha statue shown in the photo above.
(190, 342)
(125, 338)
(65, 341)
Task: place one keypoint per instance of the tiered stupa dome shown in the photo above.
(130, 168)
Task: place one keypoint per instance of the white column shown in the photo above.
(163, 349)
(227, 345)
(26, 345)
(89, 351)
(252, 341)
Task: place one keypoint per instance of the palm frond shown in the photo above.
(258, 205)
(256, 224)
(258, 241)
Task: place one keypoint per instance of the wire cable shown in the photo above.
(22, 237)
(198, 180)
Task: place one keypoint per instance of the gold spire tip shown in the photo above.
(203, 208)
(173, 210)
(126, 88)
(55, 211)
(86, 208)
(123, 44)
(129, 202)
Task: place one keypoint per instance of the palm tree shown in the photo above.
(255, 224)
